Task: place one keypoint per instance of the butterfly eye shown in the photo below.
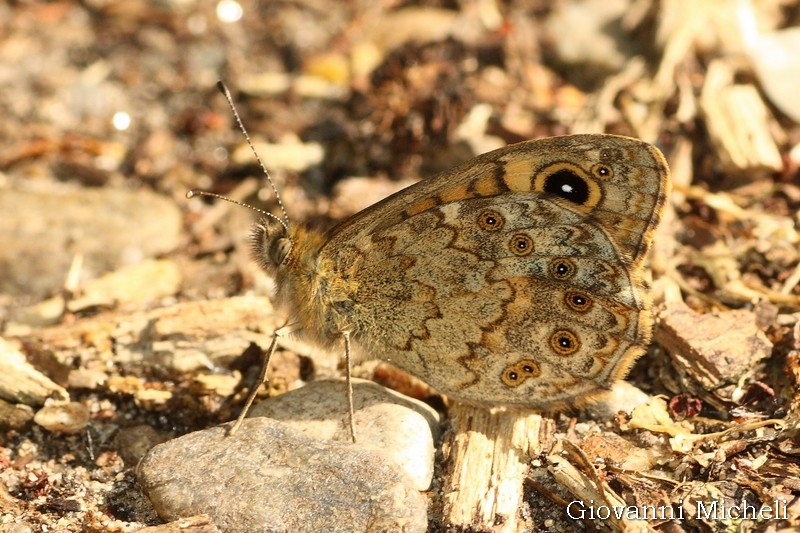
(521, 244)
(564, 342)
(568, 185)
(280, 249)
(491, 220)
(578, 301)
(602, 171)
(562, 268)
(270, 245)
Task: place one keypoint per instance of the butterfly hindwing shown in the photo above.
(513, 278)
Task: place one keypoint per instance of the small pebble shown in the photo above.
(14, 415)
(69, 417)
(623, 397)
(86, 378)
(19, 527)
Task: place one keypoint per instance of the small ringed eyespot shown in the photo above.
(562, 268)
(578, 301)
(612, 154)
(521, 244)
(517, 373)
(602, 171)
(491, 220)
(564, 342)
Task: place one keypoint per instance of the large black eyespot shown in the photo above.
(521, 244)
(564, 342)
(561, 268)
(568, 185)
(491, 220)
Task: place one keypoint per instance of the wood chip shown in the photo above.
(739, 123)
(20, 382)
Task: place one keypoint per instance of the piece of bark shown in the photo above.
(712, 352)
(487, 456)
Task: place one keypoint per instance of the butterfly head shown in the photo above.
(271, 243)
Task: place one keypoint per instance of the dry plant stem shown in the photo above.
(586, 488)
(262, 378)
(348, 377)
(488, 455)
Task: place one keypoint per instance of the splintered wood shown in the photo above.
(488, 454)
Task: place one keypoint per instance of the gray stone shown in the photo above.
(271, 478)
(135, 441)
(40, 233)
(402, 428)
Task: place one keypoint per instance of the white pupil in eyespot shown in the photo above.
(567, 188)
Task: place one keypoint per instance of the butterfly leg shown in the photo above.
(262, 376)
(348, 377)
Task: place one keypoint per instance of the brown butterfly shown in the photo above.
(513, 278)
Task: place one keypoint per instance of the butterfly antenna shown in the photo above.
(226, 93)
(198, 192)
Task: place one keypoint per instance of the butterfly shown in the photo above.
(515, 278)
